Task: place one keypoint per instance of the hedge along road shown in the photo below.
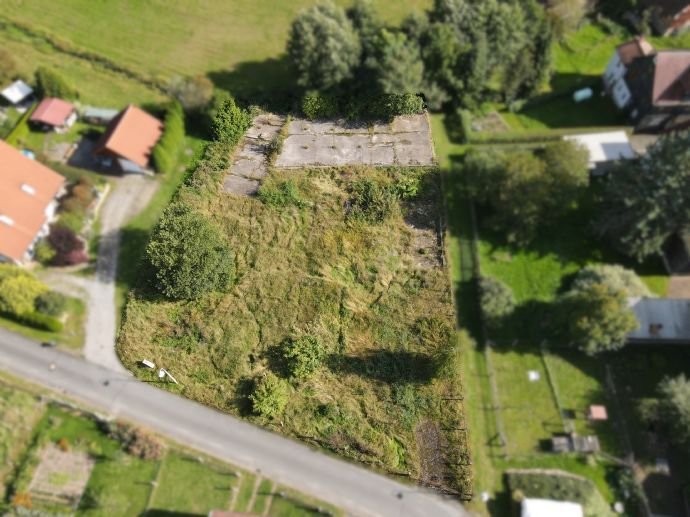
(357, 490)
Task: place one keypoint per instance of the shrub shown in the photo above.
(73, 206)
(136, 441)
(303, 355)
(230, 122)
(614, 277)
(168, 148)
(39, 321)
(44, 252)
(496, 299)
(84, 193)
(371, 201)
(280, 194)
(51, 303)
(193, 93)
(50, 83)
(392, 105)
(63, 444)
(69, 249)
(317, 105)
(189, 255)
(270, 396)
(72, 221)
(18, 290)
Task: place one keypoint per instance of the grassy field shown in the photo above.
(238, 44)
(365, 290)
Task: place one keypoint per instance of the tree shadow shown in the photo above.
(387, 366)
(270, 83)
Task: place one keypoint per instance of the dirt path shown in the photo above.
(129, 196)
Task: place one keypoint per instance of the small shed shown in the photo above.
(17, 92)
(604, 148)
(550, 508)
(54, 114)
(597, 412)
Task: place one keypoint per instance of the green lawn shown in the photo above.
(238, 44)
(263, 495)
(244, 492)
(189, 486)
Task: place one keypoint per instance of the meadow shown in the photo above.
(375, 295)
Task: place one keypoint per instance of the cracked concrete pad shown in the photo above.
(414, 155)
(382, 155)
(240, 186)
(410, 124)
(298, 150)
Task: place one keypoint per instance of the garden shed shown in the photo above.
(604, 148)
(661, 321)
(17, 92)
(550, 508)
(54, 114)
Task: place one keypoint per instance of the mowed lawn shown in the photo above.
(163, 38)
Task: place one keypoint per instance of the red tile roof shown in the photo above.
(53, 112)
(131, 135)
(26, 189)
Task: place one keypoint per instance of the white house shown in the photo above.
(617, 68)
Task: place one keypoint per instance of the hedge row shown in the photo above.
(87, 55)
(35, 320)
(317, 105)
(168, 148)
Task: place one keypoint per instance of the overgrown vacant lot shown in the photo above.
(374, 294)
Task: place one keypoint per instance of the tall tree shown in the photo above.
(323, 46)
(648, 200)
(674, 407)
(397, 63)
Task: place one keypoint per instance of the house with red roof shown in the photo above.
(54, 114)
(128, 141)
(652, 86)
(668, 16)
(28, 202)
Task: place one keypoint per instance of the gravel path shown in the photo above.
(128, 197)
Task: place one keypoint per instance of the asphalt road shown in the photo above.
(357, 490)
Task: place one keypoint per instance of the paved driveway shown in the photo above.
(129, 196)
(353, 488)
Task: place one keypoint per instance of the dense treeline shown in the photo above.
(169, 146)
(458, 54)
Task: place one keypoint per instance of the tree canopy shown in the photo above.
(496, 299)
(648, 200)
(189, 255)
(614, 277)
(323, 46)
(674, 407)
(50, 83)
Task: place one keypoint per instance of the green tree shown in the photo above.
(614, 277)
(595, 318)
(50, 83)
(323, 46)
(397, 63)
(303, 356)
(270, 396)
(648, 200)
(189, 255)
(566, 15)
(229, 121)
(674, 407)
(496, 299)
(567, 168)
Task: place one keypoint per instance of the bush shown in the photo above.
(51, 303)
(50, 83)
(317, 105)
(371, 201)
(136, 441)
(303, 356)
(280, 194)
(168, 148)
(193, 93)
(614, 277)
(496, 299)
(44, 252)
(270, 396)
(39, 321)
(189, 255)
(18, 290)
(69, 249)
(392, 105)
(73, 221)
(230, 122)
